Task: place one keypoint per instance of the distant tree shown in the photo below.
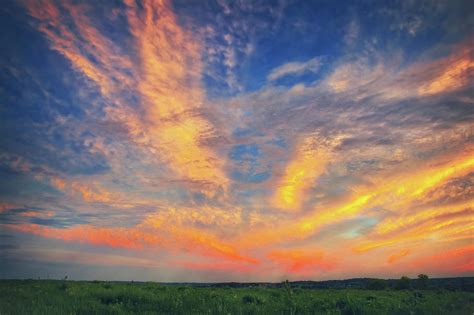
(376, 284)
(403, 283)
(422, 281)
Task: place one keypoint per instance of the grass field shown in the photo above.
(70, 297)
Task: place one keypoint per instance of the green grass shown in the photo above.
(69, 297)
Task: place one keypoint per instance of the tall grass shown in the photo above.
(69, 297)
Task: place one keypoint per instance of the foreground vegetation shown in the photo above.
(70, 297)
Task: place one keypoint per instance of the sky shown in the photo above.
(212, 141)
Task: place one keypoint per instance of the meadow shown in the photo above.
(81, 297)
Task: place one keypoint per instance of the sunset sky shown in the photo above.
(236, 140)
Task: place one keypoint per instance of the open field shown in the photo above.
(71, 297)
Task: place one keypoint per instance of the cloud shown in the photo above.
(88, 192)
(4, 207)
(162, 129)
(457, 259)
(230, 32)
(85, 258)
(106, 65)
(302, 262)
(455, 191)
(304, 168)
(154, 232)
(395, 192)
(397, 256)
(36, 215)
(172, 125)
(352, 76)
(352, 33)
(456, 71)
(295, 68)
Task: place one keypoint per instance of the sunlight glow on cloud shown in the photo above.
(301, 172)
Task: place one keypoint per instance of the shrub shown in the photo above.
(63, 286)
(376, 284)
(248, 299)
(107, 286)
(403, 283)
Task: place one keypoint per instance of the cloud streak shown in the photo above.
(295, 68)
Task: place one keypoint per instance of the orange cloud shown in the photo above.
(58, 183)
(170, 128)
(395, 192)
(113, 237)
(308, 163)
(167, 75)
(170, 83)
(397, 256)
(140, 237)
(392, 226)
(215, 266)
(64, 41)
(88, 192)
(91, 195)
(195, 239)
(4, 207)
(206, 217)
(449, 261)
(454, 73)
(441, 229)
(301, 261)
(37, 214)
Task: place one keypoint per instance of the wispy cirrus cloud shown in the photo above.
(295, 68)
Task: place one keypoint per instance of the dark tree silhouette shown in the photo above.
(422, 281)
(403, 283)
